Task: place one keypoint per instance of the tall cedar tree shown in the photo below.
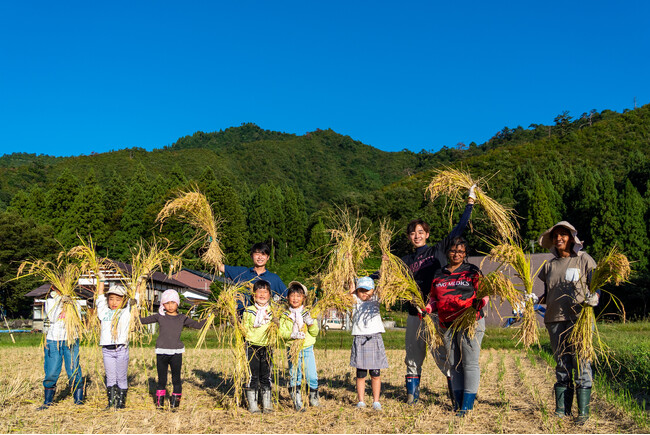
(585, 202)
(540, 214)
(59, 200)
(86, 215)
(606, 223)
(633, 226)
(295, 219)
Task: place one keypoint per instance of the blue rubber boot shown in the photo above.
(467, 404)
(412, 389)
(49, 398)
(78, 396)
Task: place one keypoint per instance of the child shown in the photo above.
(256, 320)
(368, 353)
(291, 327)
(169, 347)
(57, 351)
(114, 340)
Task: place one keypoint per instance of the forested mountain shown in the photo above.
(267, 186)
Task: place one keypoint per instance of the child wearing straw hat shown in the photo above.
(566, 285)
(297, 326)
(256, 322)
(115, 317)
(169, 347)
(368, 352)
(57, 352)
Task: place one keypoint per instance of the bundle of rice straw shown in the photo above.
(513, 255)
(454, 184)
(494, 284)
(192, 207)
(146, 258)
(614, 268)
(64, 276)
(350, 247)
(396, 283)
(223, 311)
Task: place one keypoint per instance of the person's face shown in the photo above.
(561, 239)
(363, 294)
(296, 299)
(418, 237)
(114, 301)
(171, 307)
(262, 296)
(259, 259)
(457, 254)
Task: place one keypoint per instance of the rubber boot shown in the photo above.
(560, 400)
(175, 401)
(251, 396)
(160, 398)
(267, 403)
(49, 398)
(584, 397)
(120, 398)
(313, 397)
(458, 399)
(467, 404)
(412, 389)
(78, 396)
(110, 393)
(455, 406)
(296, 398)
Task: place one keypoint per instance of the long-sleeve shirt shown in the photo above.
(106, 317)
(286, 327)
(454, 291)
(255, 336)
(56, 317)
(427, 260)
(169, 338)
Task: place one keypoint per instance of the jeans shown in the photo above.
(57, 352)
(306, 357)
(463, 358)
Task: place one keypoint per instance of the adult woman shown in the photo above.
(453, 290)
(566, 286)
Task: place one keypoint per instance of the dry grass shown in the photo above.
(192, 207)
(504, 404)
(454, 184)
(585, 339)
(511, 254)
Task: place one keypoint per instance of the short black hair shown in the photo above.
(261, 283)
(260, 247)
(414, 223)
(295, 288)
(458, 241)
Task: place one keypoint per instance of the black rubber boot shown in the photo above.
(455, 406)
(49, 398)
(584, 397)
(120, 398)
(560, 400)
(160, 398)
(175, 401)
(110, 393)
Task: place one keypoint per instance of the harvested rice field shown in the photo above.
(515, 397)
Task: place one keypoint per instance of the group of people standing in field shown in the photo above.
(444, 277)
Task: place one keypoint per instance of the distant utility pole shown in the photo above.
(635, 103)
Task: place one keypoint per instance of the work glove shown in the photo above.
(531, 296)
(66, 299)
(101, 276)
(306, 317)
(297, 335)
(478, 304)
(472, 192)
(431, 307)
(591, 299)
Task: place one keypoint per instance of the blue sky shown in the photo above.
(78, 77)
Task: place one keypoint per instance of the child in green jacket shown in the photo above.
(297, 324)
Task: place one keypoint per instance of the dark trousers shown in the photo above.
(174, 362)
(259, 364)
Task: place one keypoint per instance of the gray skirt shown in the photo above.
(368, 352)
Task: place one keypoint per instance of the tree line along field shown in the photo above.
(515, 393)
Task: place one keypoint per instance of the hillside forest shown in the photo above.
(592, 170)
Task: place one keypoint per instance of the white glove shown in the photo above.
(101, 276)
(472, 192)
(591, 299)
(306, 317)
(531, 296)
(297, 335)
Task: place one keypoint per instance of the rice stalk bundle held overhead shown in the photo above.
(64, 276)
(613, 268)
(454, 184)
(513, 255)
(349, 248)
(495, 284)
(193, 208)
(221, 316)
(146, 258)
(396, 283)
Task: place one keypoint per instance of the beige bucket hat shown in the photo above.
(546, 242)
(292, 283)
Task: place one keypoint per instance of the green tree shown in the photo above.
(606, 223)
(59, 200)
(86, 216)
(634, 235)
(295, 220)
(229, 211)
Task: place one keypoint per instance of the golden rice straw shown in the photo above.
(513, 255)
(224, 312)
(396, 283)
(614, 267)
(454, 184)
(192, 207)
(64, 276)
(350, 247)
(495, 284)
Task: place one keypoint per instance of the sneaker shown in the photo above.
(376, 406)
(361, 405)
